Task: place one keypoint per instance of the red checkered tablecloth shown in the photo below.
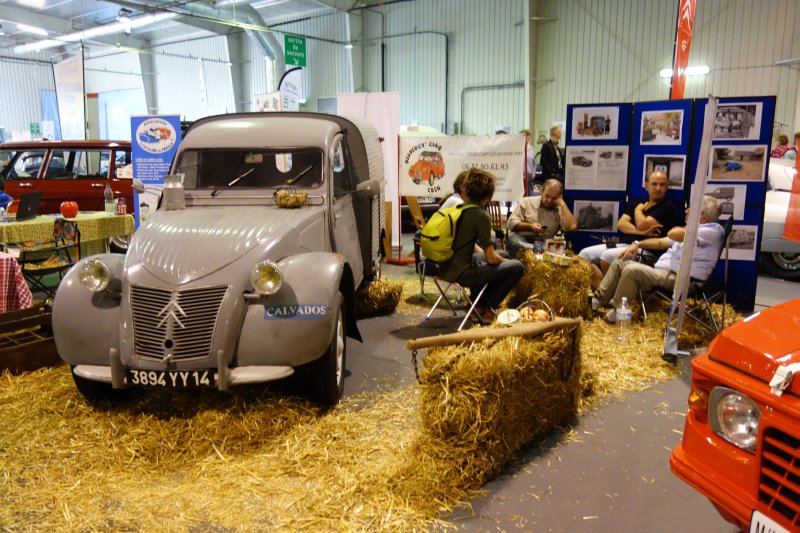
(14, 292)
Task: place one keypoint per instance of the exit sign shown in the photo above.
(34, 128)
(294, 48)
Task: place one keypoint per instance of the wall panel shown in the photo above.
(602, 51)
(21, 84)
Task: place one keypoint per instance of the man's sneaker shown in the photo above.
(595, 304)
(611, 317)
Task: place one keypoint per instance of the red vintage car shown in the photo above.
(741, 441)
(68, 170)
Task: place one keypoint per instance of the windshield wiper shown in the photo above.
(303, 173)
(234, 181)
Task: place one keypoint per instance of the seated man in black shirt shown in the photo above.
(475, 227)
(642, 219)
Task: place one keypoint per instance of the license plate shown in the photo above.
(426, 200)
(761, 523)
(172, 379)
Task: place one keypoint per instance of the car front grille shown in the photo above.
(180, 323)
(779, 482)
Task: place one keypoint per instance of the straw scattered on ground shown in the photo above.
(210, 461)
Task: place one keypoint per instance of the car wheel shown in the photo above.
(782, 265)
(118, 244)
(431, 179)
(326, 380)
(96, 392)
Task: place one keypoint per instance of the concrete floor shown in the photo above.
(615, 477)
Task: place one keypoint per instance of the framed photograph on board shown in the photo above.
(671, 165)
(662, 127)
(742, 244)
(593, 215)
(595, 123)
(738, 162)
(738, 121)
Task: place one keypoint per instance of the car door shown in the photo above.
(21, 174)
(77, 174)
(345, 230)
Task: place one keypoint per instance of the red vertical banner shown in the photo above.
(791, 229)
(683, 41)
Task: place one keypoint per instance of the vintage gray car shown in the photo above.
(221, 286)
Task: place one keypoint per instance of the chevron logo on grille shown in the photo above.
(170, 312)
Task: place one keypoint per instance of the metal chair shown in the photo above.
(704, 292)
(471, 300)
(40, 259)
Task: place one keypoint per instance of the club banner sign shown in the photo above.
(429, 165)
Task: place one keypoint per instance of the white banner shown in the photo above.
(68, 76)
(291, 88)
(429, 165)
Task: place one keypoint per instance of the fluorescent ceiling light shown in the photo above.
(701, 70)
(97, 31)
(32, 29)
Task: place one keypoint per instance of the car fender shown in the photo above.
(295, 325)
(76, 310)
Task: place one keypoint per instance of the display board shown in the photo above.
(596, 168)
(737, 177)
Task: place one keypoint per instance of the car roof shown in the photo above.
(781, 173)
(65, 145)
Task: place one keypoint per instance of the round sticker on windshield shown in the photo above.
(155, 135)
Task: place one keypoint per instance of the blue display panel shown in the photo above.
(596, 168)
(737, 177)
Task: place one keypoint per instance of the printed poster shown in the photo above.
(429, 165)
(154, 143)
(595, 123)
(596, 168)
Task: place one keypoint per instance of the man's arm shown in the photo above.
(491, 256)
(568, 222)
(652, 244)
(522, 220)
(642, 221)
(625, 225)
(678, 233)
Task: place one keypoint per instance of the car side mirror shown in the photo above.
(138, 186)
(368, 188)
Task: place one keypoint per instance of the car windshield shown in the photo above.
(218, 169)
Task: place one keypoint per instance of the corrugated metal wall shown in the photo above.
(487, 43)
(598, 51)
(21, 85)
(181, 90)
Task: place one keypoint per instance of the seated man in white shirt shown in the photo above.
(537, 218)
(626, 277)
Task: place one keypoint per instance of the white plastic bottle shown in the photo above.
(109, 199)
(624, 314)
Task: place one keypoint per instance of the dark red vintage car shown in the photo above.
(68, 170)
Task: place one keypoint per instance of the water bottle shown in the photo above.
(623, 320)
(109, 199)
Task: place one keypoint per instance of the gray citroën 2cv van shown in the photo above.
(222, 286)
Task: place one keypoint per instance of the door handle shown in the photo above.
(26, 185)
(98, 185)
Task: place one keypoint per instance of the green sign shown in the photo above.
(294, 50)
(35, 129)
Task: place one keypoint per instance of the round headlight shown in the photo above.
(266, 278)
(734, 417)
(94, 275)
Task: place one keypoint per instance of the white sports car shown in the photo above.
(779, 257)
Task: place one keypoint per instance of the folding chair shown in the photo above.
(704, 292)
(56, 256)
(471, 300)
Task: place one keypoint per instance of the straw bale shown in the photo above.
(565, 289)
(481, 402)
(378, 297)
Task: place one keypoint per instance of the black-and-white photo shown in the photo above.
(742, 243)
(671, 165)
(596, 216)
(738, 121)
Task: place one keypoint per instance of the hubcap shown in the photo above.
(786, 261)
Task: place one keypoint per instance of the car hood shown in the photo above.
(183, 245)
(762, 342)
